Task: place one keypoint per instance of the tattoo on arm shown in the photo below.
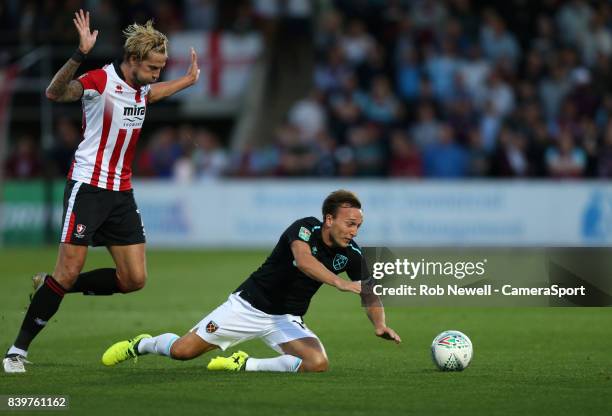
(62, 87)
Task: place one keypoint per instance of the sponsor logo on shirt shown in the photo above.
(134, 111)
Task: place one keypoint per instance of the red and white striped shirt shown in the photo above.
(113, 114)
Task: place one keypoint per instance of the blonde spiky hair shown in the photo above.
(142, 39)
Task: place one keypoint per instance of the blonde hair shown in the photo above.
(142, 39)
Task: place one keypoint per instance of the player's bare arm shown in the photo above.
(63, 88)
(376, 314)
(161, 90)
(313, 268)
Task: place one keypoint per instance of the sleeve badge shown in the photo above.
(304, 234)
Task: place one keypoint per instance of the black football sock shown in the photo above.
(98, 282)
(44, 304)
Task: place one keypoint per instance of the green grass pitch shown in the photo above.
(527, 360)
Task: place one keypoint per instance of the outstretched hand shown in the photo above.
(194, 71)
(389, 334)
(349, 286)
(87, 39)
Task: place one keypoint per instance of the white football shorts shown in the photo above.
(236, 321)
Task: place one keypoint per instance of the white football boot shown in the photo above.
(15, 364)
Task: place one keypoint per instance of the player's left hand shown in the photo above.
(194, 71)
(388, 333)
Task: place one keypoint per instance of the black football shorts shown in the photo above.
(99, 217)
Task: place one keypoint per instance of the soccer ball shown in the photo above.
(451, 351)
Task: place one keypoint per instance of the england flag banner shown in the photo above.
(225, 59)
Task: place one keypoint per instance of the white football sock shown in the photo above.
(285, 363)
(15, 350)
(159, 345)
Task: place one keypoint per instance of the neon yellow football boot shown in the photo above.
(235, 362)
(122, 350)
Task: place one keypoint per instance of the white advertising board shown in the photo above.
(397, 213)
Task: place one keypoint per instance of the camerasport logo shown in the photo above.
(80, 229)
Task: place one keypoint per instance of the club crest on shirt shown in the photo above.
(211, 327)
(340, 261)
(304, 234)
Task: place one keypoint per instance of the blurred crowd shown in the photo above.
(28, 23)
(183, 152)
(423, 88)
(452, 89)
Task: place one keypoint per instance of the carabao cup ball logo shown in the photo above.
(340, 261)
(453, 341)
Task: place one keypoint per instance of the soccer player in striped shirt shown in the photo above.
(99, 205)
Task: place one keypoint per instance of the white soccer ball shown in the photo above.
(452, 351)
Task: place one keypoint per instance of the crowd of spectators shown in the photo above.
(29, 23)
(183, 152)
(423, 88)
(452, 89)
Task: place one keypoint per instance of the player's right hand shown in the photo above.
(349, 286)
(87, 39)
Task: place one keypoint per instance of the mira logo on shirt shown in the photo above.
(134, 111)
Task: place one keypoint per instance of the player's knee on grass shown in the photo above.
(183, 351)
(315, 363)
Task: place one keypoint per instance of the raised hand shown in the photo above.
(194, 71)
(87, 39)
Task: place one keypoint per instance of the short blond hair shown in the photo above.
(142, 39)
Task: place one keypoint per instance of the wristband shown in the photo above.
(78, 56)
